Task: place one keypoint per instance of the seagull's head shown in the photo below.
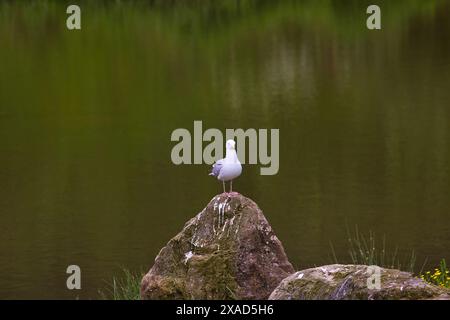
(230, 145)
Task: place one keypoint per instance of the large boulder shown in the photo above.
(355, 282)
(228, 251)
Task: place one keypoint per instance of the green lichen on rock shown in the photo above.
(350, 282)
(215, 274)
(227, 251)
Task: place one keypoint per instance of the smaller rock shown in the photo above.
(350, 282)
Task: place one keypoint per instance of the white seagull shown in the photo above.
(228, 168)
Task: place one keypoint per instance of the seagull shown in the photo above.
(228, 168)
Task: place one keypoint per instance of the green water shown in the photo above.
(86, 118)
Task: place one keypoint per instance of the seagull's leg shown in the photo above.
(231, 186)
(223, 182)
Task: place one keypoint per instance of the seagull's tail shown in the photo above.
(215, 170)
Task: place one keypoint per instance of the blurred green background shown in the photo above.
(86, 117)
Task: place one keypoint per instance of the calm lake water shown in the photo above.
(86, 118)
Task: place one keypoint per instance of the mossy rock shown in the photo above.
(228, 251)
(356, 282)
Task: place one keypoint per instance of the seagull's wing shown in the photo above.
(216, 168)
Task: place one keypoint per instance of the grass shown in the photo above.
(440, 276)
(365, 250)
(124, 287)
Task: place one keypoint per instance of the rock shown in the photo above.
(349, 282)
(228, 251)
